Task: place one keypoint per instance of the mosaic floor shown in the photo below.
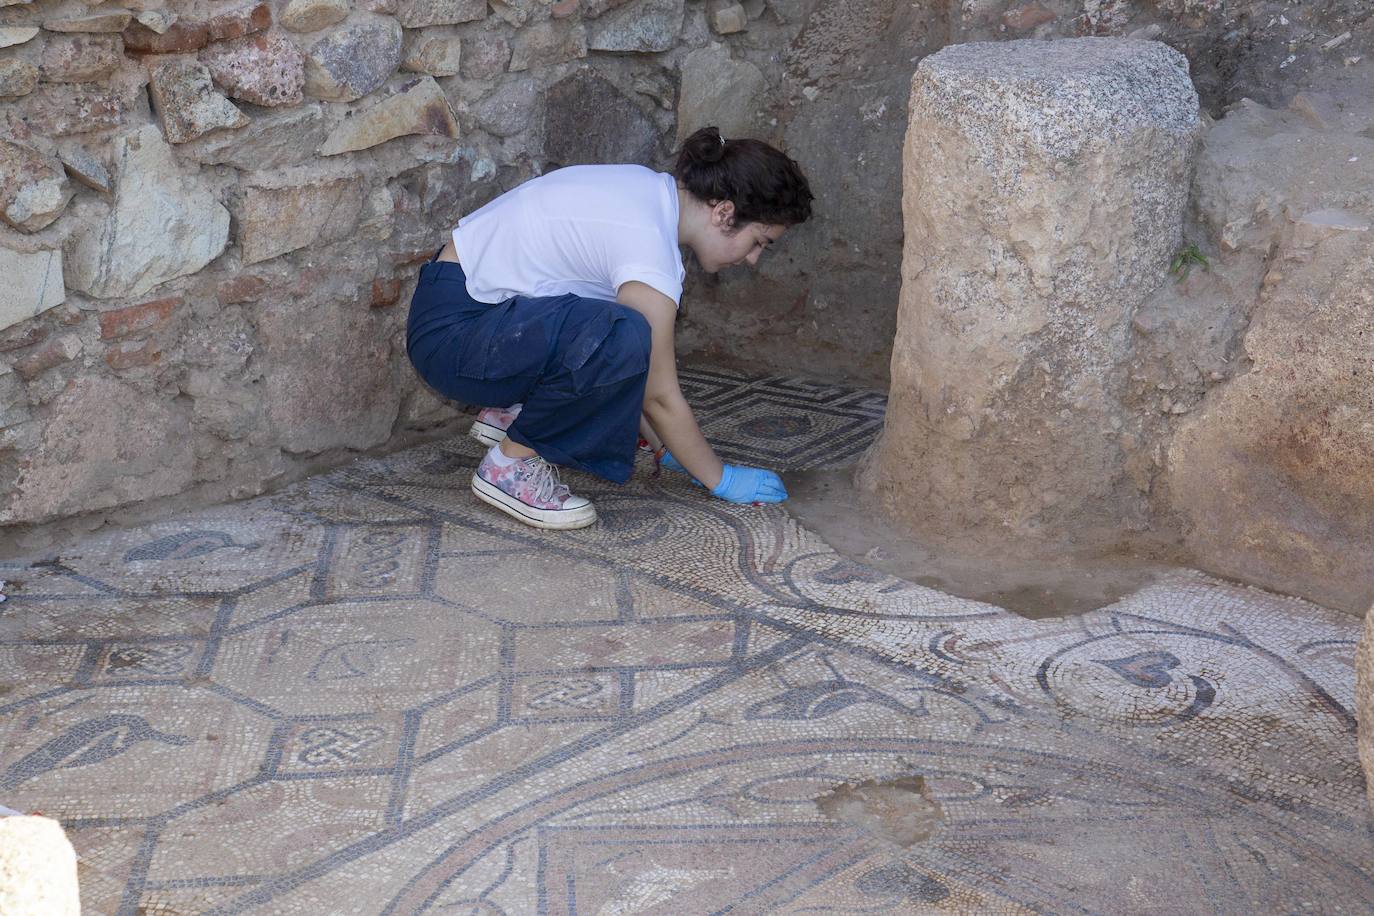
(370, 694)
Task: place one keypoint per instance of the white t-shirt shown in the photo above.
(585, 229)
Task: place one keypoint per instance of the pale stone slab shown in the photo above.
(33, 187)
(648, 26)
(83, 166)
(164, 224)
(433, 54)
(81, 58)
(33, 284)
(354, 60)
(157, 21)
(185, 99)
(106, 443)
(37, 869)
(272, 140)
(313, 15)
(273, 221)
(415, 14)
(419, 107)
(111, 21)
(547, 43)
(17, 77)
(729, 18)
(16, 35)
(717, 90)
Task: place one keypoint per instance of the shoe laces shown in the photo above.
(545, 480)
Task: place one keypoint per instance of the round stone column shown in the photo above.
(1044, 187)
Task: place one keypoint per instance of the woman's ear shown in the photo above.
(723, 214)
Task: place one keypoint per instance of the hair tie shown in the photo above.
(722, 139)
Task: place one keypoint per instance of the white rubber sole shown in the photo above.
(553, 519)
(487, 434)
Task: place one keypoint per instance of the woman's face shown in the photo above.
(722, 245)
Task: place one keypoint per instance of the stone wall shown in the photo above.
(839, 89)
(213, 210)
(213, 213)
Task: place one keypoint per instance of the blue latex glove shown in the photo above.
(749, 485)
(669, 463)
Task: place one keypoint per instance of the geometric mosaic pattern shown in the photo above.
(369, 693)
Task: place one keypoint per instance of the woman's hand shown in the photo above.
(749, 485)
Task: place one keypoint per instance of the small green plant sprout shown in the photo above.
(1183, 262)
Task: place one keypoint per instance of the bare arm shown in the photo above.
(664, 404)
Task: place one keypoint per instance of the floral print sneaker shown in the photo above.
(531, 491)
(492, 422)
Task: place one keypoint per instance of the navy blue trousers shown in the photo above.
(578, 365)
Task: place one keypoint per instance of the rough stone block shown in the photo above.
(59, 350)
(133, 354)
(1044, 188)
(647, 26)
(417, 107)
(81, 58)
(177, 38)
(33, 187)
(511, 109)
(16, 35)
(242, 288)
(485, 56)
(272, 140)
(354, 60)
(547, 43)
(63, 110)
(265, 70)
(593, 8)
(719, 90)
(37, 869)
(33, 284)
(185, 99)
(727, 19)
(237, 23)
(313, 15)
(24, 336)
(435, 55)
(386, 292)
(588, 120)
(416, 14)
(83, 166)
(105, 444)
(519, 12)
(17, 77)
(273, 221)
(364, 401)
(157, 20)
(110, 21)
(164, 224)
(137, 319)
(1026, 16)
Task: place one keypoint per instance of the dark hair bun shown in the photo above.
(704, 146)
(765, 185)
